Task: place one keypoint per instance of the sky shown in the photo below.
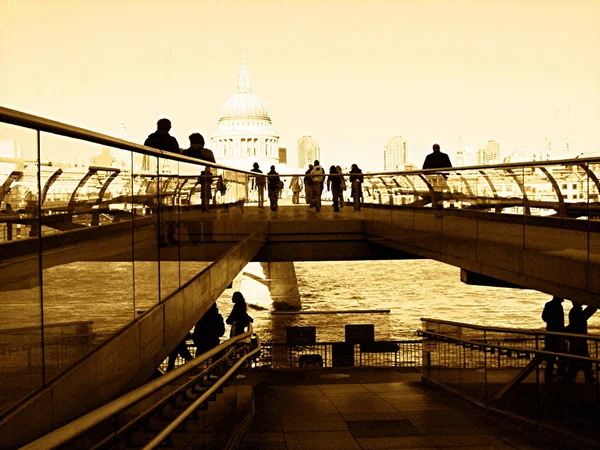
(349, 73)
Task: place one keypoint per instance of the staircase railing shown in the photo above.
(242, 348)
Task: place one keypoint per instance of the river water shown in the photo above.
(410, 289)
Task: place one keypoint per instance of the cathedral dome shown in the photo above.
(244, 133)
(244, 105)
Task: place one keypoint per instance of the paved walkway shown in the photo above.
(364, 409)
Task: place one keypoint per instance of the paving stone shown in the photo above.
(395, 443)
(381, 428)
(373, 415)
(314, 422)
(323, 440)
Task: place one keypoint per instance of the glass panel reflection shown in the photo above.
(21, 353)
(87, 271)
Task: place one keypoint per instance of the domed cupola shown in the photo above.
(244, 127)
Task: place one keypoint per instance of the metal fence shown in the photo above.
(405, 353)
(512, 373)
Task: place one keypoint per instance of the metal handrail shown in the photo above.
(76, 428)
(503, 347)
(509, 330)
(22, 119)
(184, 415)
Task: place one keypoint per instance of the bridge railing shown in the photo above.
(71, 199)
(511, 370)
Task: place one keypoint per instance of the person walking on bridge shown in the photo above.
(259, 183)
(317, 184)
(334, 184)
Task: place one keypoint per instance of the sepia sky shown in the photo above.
(349, 73)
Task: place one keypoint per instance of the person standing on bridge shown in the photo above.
(275, 185)
(554, 317)
(437, 159)
(162, 140)
(343, 186)
(296, 188)
(197, 150)
(239, 318)
(356, 181)
(578, 318)
(308, 186)
(317, 184)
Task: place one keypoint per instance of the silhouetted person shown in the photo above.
(161, 139)
(317, 184)
(578, 318)
(334, 184)
(343, 187)
(356, 181)
(208, 330)
(554, 317)
(275, 185)
(197, 149)
(437, 159)
(259, 182)
(239, 318)
(180, 350)
(308, 186)
(296, 188)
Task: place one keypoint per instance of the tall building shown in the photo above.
(308, 151)
(395, 154)
(244, 134)
(489, 154)
(282, 155)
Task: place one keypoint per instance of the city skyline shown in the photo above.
(518, 74)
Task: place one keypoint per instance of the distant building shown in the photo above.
(308, 151)
(282, 155)
(244, 135)
(395, 154)
(489, 154)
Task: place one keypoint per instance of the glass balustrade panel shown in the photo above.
(21, 338)
(87, 248)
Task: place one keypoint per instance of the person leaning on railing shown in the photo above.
(578, 318)
(162, 140)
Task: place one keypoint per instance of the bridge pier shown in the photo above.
(282, 284)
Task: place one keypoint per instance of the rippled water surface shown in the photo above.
(410, 289)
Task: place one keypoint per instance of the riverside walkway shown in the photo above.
(374, 409)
